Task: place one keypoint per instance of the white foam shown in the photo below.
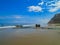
(28, 25)
(7, 27)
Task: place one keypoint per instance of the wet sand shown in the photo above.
(29, 37)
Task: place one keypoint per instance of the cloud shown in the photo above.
(17, 16)
(35, 8)
(51, 6)
(41, 3)
(54, 7)
(11, 17)
(48, 5)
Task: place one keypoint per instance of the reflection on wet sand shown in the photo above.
(29, 37)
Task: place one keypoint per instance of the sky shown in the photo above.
(28, 11)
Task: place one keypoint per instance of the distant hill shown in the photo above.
(55, 19)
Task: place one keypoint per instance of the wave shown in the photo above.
(8, 27)
(16, 25)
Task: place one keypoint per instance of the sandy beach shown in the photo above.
(29, 36)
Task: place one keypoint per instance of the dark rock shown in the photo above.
(19, 26)
(37, 25)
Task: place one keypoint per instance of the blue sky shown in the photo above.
(28, 11)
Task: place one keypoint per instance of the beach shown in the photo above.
(29, 36)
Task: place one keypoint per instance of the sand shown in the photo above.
(27, 37)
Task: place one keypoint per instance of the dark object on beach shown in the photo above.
(37, 25)
(19, 26)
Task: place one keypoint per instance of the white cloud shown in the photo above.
(53, 9)
(41, 3)
(11, 17)
(19, 21)
(35, 8)
(17, 16)
(51, 6)
(56, 6)
(50, 3)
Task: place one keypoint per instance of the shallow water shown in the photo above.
(29, 36)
